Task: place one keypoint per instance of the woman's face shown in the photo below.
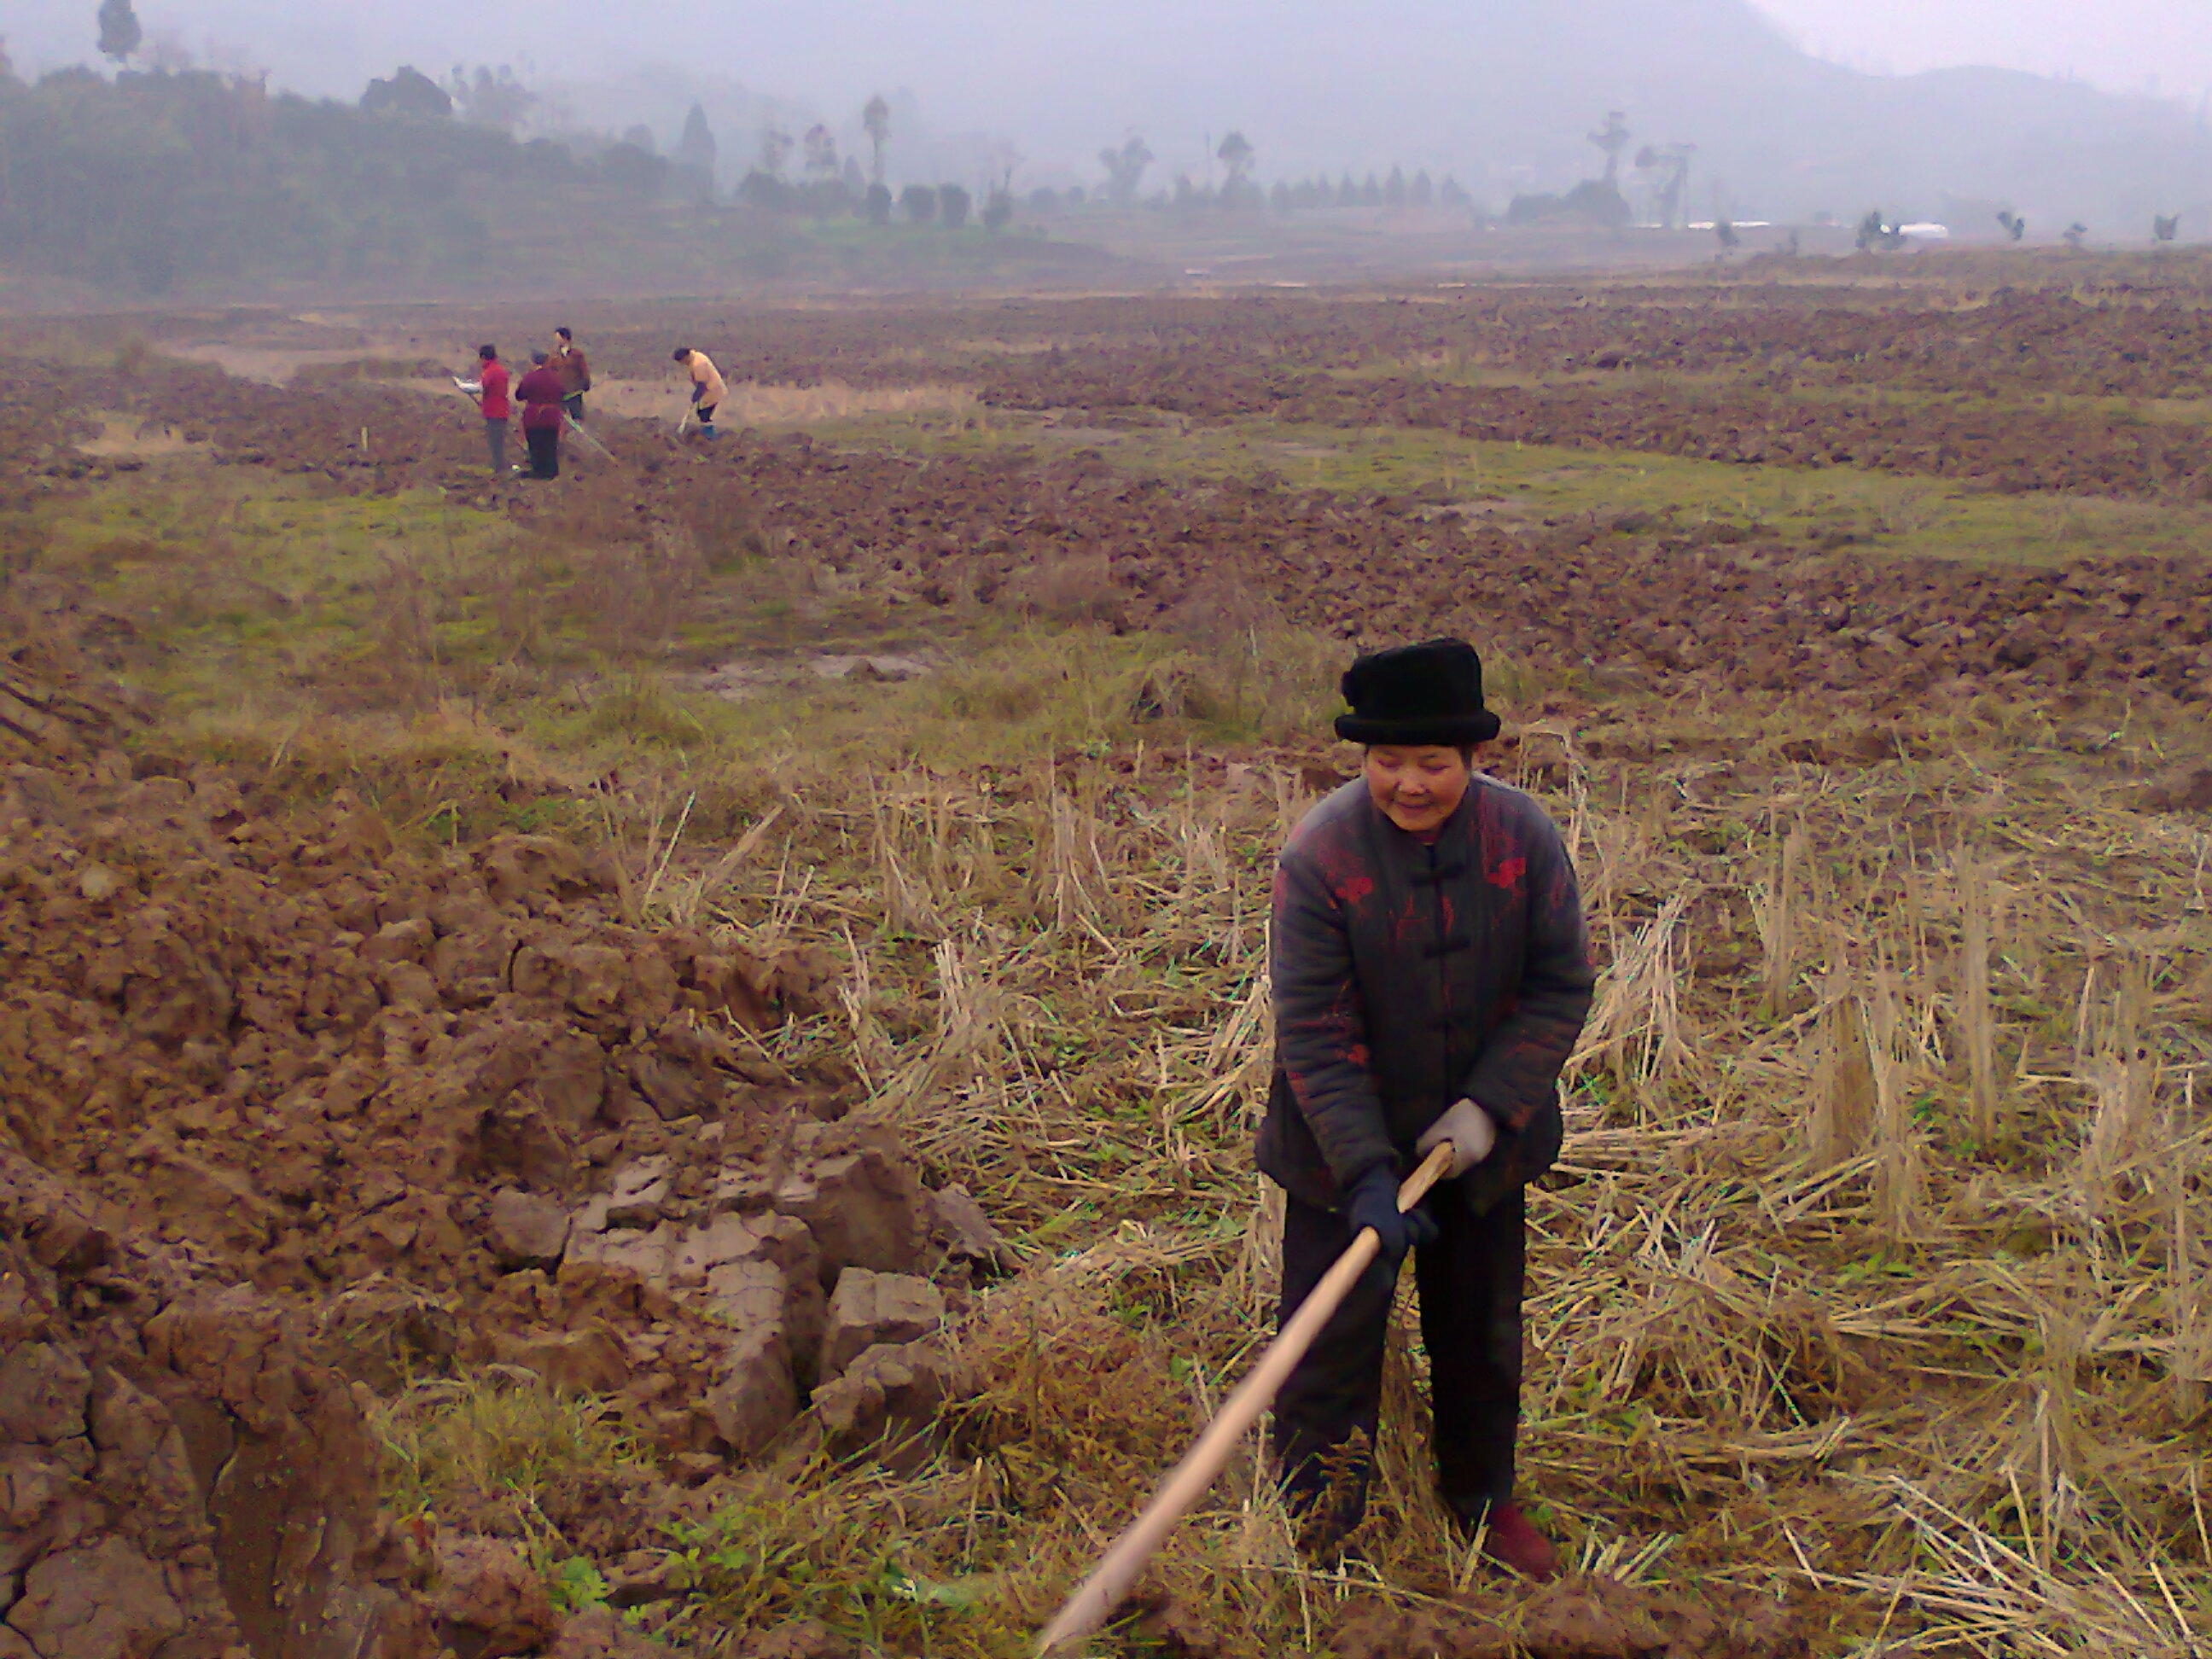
(1417, 788)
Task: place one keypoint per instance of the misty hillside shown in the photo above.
(151, 183)
(1497, 91)
(192, 184)
(1507, 89)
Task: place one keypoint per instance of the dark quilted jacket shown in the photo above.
(1408, 977)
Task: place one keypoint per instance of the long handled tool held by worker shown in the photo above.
(576, 428)
(1110, 1582)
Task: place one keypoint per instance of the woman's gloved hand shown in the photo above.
(1470, 1130)
(1372, 1202)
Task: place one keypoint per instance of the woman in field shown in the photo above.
(707, 388)
(490, 390)
(1430, 975)
(542, 393)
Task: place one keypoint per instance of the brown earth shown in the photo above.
(297, 1117)
(1688, 609)
(294, 1116)
(1934, 382)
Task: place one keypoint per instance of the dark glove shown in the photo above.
(1372, 1202)
(698, 389)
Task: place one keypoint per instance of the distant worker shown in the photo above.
(490, 390)
(1430, 975)
(542, 394)
(707, 388)
(575, 372)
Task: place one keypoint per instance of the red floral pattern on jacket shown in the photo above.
(1407, 976)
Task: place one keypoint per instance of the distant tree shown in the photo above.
(878, 206)
(7, 63)
(640, 136)
(1611, 139)
(1077, 196)
(1125, 169)
(1872, 234)
(2075, 233)
(2015, 226)
(1669, 166)
(952, 205)
(1279, 198)
(634, 170)
(1348, 192)
(998, 210)
(1452, 194)
(766, 193)
(919, 204)
(876, 119)
(1371, 193)
(1423, 194)
(1235, 154)
(856, 187)
(119, 33)
(408, 92)
(1044, 199)
(2164, 228)
(1394, 188)
(494, 98)
(821, 148)
(696, 148)
(1006, 161)
(775, 150)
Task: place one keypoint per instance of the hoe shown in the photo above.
(1101, 1592)
(575, 427)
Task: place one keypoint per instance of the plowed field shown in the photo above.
(669, 1057)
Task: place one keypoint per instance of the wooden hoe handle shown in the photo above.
(1103, 1591)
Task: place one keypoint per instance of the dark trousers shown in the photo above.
(544, 443)
(1470, 1282)
(495, 440)
(573, 402)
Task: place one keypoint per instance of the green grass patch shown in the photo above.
(1512, 483)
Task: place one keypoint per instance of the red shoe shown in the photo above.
(1513, 1541)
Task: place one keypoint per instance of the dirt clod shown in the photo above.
(490, 1602)
(870, 1308)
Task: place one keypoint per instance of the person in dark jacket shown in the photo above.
(541, 393)
(1431, 974)
(574, 370)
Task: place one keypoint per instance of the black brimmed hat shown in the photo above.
(1416, 694)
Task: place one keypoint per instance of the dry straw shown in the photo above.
(1871, 1278)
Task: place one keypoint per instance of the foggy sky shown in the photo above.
(1502, 91)
(2119, 44)
(950, 51)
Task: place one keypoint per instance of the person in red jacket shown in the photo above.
(542, 393)
(490, 390)
(1431, 974)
